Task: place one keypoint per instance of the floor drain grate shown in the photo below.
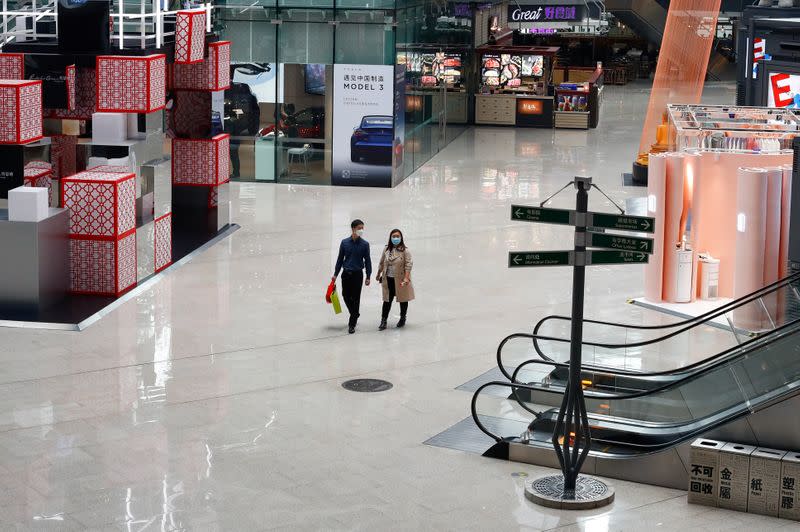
(367, 385)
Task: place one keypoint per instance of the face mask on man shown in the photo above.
(396, 240)
(360, 232)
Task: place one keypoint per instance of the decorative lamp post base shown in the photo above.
(589, 493)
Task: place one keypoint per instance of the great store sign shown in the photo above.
(544, 13)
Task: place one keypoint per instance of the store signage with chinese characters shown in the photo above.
(541, 31)
(544, 13)
(530, 107)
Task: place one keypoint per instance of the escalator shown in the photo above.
(646, 17)
(785, 293)
(748, 394)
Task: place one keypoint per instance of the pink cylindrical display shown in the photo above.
(751, 226)
(673, 211)
(786, 199)
(714, 207)
(656, 190)
(691, 171)
(772, 242)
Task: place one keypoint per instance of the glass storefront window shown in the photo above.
(306, 42)
(303, 152)
(365, 44)
(279, 108)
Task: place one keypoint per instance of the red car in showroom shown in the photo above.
(306, 124)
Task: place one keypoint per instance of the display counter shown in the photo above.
(522, 110)
(578, 97)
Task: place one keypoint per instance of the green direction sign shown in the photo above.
(520, 213)
(527, 259)
(622, 243)
(622, 222)
(616, 257)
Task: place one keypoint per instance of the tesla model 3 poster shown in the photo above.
(363, 125)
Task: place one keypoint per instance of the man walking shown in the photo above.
(353, 258)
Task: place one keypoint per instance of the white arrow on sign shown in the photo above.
(516, 259)
(646, 225)
(643, 245)
(518, 213)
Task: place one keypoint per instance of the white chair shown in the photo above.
(298, 155)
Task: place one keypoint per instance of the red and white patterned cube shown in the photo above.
(12, 66)
(102, 205)
(201, 162)
(36, 174)
(163, 242)
(64, 155)
(71, 97)
(213, 74)
(109, 169)
(20, 111)
(85, 97)
(41, 165)
(190, 115)
(190, 36)
(131, 84)
(102, 267)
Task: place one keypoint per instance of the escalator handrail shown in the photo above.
(688, 323)
(744, 349)
(634, 374)
(526, 335)
(482, 427)
(498, 439)
(683, 436)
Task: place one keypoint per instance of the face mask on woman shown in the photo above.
(396, 240)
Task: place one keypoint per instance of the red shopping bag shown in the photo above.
(331, 289)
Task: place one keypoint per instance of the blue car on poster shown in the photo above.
(372, 140)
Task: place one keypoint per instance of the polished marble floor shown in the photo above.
(213, 401)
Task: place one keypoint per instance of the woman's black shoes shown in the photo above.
(402, 322)
(382, 326)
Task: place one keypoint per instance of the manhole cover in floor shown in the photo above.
(367, 385)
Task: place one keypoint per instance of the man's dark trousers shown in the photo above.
(352, 281)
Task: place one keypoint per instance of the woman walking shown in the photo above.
(394, 274)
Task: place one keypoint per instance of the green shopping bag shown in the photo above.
(337, 306)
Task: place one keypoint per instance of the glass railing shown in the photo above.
(670, 346)
(766, 370)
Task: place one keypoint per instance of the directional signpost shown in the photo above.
(571, 437)
(640, 224)
(540, 258)
(520, 213)
(595, 258)
(622, 243)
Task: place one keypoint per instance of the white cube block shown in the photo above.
(124, 162)
(27, 204)
(96, 161)
(109, 127)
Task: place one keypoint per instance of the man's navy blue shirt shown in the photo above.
(354, 256)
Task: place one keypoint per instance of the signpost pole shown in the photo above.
(572, 426)
(572, 438)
